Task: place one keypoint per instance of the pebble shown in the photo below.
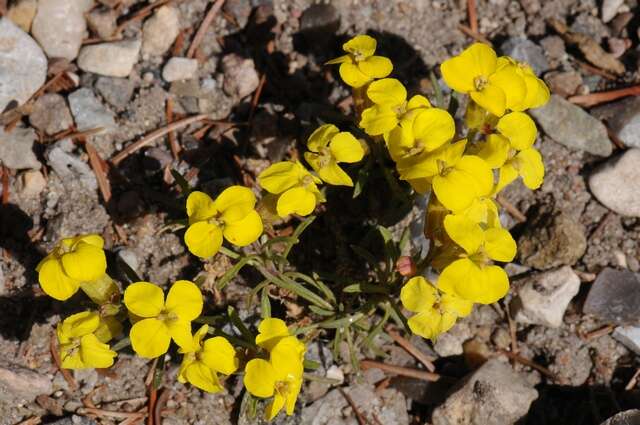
(50, 114)
(610, 9)
(451, 343)
(623, 119)
(117, 92)
(69, 167)
(160, 31)
(20, 383)
(33, 183)
(89, 112)
(629, 336)
(525, 50)
(554, 48)
(494, 393)
(60, 26)
(563, 83)
(19, 52)
(102, 21)
(544, 297)
(240, 76)
(614, 297)
(616, 183)
(178, 68)
(573, 127)
(113, 59)
(16, 148)
(239, 9)
(22, 13)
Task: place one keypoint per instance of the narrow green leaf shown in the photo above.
(311, 364)
(233, 271)
(265, 304)
(185, 187)
(296, 233)
(239, 325)
(366, 288)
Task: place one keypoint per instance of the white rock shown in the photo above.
(89, 112)
(610, 9)
(19, 52)
(33, 183)
(240, 76)
(114, 59)
(544, 297)
(19, 383)
(16, 148)
(629, 336)
(22, 13)
(60, 26)
(616, 183)
(179, 69)
(160, 31)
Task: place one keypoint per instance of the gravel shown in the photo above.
(616, 183)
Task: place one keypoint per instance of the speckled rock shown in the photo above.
(16, 148)
(628, 417)
(616, 183)
(614, 297)
(240, 76)
(623, 119)
(50, 114)
(19, 383)
(177, 69)
(113, 59)
(160, 31)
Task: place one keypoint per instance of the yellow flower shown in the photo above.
(205, 359)
(390, 106)
(472, 277)
(160, 320)
(359, 66)
(280, 376)
(231, 215)
(537, 92)
(296, 186)
(72, 262)
(82, 344)
(436, 312)
(329, 146)
(496, 85)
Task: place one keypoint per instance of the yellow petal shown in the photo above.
(352, 76)
(499, 245)
(400, 140)
(144, 299)
(199, 375)
(376, 66)
(54, 281)
(530, 166)
(85, 263)
(519, 128)
(491, 98)
(427, 324)
(334, 175)
(92, 239)
(433, 127)
(245, 231)
(451, 154)
(274, 407)
(339, 59)
(235, 203)
(464, 232)
(95, 353)
(280, 176)
(475, 116)
(321, 137)
(297, 200)
(203, 239)
(149, 338)
(387, 91)
(494, 151)
(180, 331)
(101, 291)
(71, 359)
(483, 211)
(259, 378)
(287, 358)
(418, 101)
(378, 119)
(506, 175)
(482, 285)
(459, 72)
(511, 83)
(346, 148)
(361, 45)
(471, 178)
(200, 207)
(185, 300)
(109, 328)
(292, 394)
(270, 331)
(219, 355)
(480, 173)
(78, 325)
(456, 305)
(418, 294)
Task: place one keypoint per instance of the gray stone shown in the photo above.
(102, 21)
(610, 9)
(320, 18)
(564, 83)
(572, 127)
(19, 52)
(22, 13)
(623, 119)
(60, 26)
(525, 50)
(239, 9)
(180, 69)
(89, 112)
(628, 417)
(16, 148)
(616, 183)
(544, 297)
(492, 395)
(160, 31)
(115, 91)
(240, 76)
(19, 383)
(70, 167)
(50, 114)
(629, 336)
(113, 59)
(614, 297)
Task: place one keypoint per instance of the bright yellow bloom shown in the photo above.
(494, 84)
(473, 277)
(82, 341)
(537, 92)
(360, 66)
(279, 377)
(72, 262)
(160, 320)
(329, 146)
(390, 106)
(205, 359)
(436, 312)
(231, 215)
(296, 186)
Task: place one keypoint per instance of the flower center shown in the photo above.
(307, 180)
(480, 82)
(400, 109)
(443, 168)
(167, 316)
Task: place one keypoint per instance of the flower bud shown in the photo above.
(406, 266)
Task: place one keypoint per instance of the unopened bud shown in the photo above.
(406, 266)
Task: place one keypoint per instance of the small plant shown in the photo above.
(462, 169)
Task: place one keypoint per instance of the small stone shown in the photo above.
(71, 168)
(554, 47)
(610, 9)
(628, 417)
(160, 31)
(240, 76)
(50, 114)
(33, 183)
(525, 50)
(102, 21)
(179, 69)
(239, 9)
(19, 52)
(492, 395)
(19, 383)
(16, 148)
(22, 13)
(89, 112)
(616, 183)
(563, 83)
(115, 91)
(60, 26)
(623, 119)
(114, 59)
(552, 241)
(629, 336)
(451, 343)
(320, 17)
(618, 46)
(614, 297)
(544, 297)
(572, 127)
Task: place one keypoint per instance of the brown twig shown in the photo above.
(5, 184)
(256, 96)
(34, 420)
(633, 381)
(592, 99)
(399, 370)
(594, 70)
(361, 419)
(412, 349)
(173, 141)
(476, 36)
(160, 402)
(204, 26)
(100, 169)
(156, 134)
(473, 16)
(512, 332)
(511, 209)
(605, 330)
(142, 13)
(109, 413)
(53, 347)
(529, 363)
